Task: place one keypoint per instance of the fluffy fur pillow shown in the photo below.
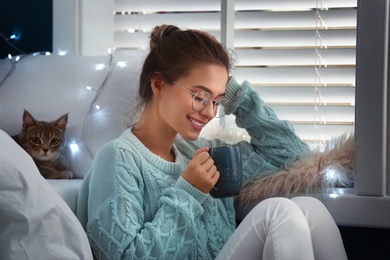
(317, 172)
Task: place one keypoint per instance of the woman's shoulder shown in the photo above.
(117, 146)
(118, 157)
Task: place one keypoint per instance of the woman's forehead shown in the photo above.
(210, 76)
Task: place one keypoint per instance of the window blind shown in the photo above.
(298, 54)
(134, 20)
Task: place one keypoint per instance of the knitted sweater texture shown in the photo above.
(135, 205)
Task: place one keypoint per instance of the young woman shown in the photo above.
(146, 195)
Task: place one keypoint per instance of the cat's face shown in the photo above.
(43, 143)
(43, 140)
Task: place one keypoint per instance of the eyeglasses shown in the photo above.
(201, 99)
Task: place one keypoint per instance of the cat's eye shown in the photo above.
(36, 140)
(54, 141)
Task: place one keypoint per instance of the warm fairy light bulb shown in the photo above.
(97, 107)
(333, 195)
(88, 87)
(47, 53)
(14, 36)
(74, 147)
(122, 64)
(17, 58)
(331, 174)
(10, 56)
(61, 53)
(99, 66)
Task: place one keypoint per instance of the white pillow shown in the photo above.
(35, 223)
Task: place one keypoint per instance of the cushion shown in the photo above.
(68, 191)
(35, 222)
(97, 92)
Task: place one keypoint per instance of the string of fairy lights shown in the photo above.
(74, 146)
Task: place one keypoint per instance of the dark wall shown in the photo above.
(31, 21)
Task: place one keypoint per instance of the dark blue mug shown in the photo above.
(227, 159)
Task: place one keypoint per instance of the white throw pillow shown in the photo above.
(35, 223)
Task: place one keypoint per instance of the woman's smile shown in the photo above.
(196, 124)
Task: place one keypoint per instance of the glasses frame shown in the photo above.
(216, 103)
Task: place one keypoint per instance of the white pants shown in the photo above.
(280, 228)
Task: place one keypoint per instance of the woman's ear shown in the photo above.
(157, 83)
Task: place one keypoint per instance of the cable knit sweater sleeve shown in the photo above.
(273, 141)
(112, 209)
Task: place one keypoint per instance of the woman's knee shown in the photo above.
(312, 204)
(306, 200)
(275, 207)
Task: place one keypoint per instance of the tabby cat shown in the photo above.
(43, 141)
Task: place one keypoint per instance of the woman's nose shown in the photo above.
(208, 111)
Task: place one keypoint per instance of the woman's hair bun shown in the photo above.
(160, 32)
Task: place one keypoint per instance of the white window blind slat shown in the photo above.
(295, 76)
(288, 57)
(138, 39)
(299, 20)
(146, 22)
(329, 130)
(283, 94)
(288, 5)
(301, 113)
(293, 39)
(149, 6)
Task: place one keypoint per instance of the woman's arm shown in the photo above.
(119, 228)
(273, 141)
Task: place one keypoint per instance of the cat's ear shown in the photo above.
(61, 122)
(28, 120)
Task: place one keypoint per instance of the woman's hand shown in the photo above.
(201, 171)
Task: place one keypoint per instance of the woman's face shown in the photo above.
(175, 104)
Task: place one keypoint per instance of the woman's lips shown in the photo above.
(196, 124)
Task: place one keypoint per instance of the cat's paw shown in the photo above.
(65, 175)
(69, 174)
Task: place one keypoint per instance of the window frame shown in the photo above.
(368, 204)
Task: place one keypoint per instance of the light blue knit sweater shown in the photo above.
(134, 205)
